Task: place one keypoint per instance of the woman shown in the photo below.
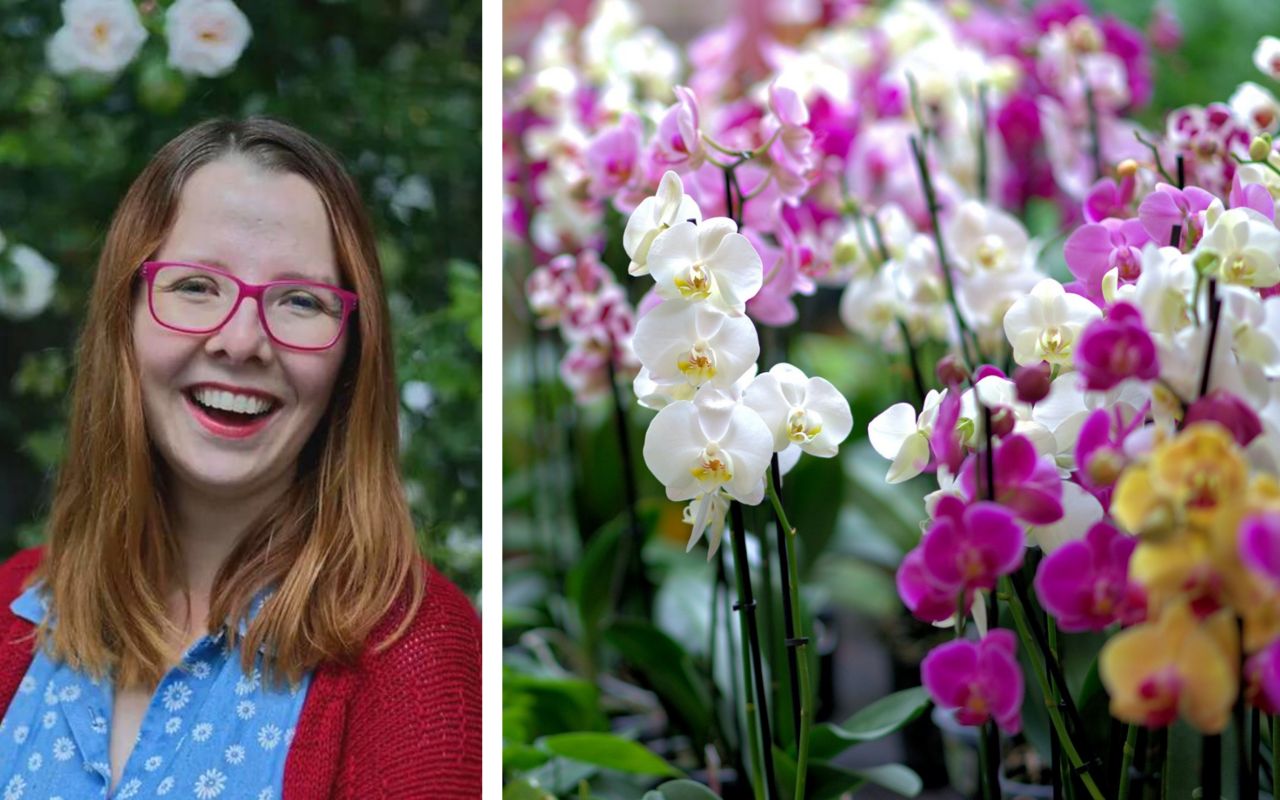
(231, 603)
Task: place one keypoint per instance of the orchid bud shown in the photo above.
(1127, 168)
(989, 371)
(1260, 147)
(1206, 261)
(1032, 383)
(1229, 411)
(951, 371)
(1002, 421)
(512, 67)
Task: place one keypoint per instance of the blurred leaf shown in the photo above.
(894, 777)
(668, 671)
(523, 790)
(686, 790)
(608, 751)
(521, 757)
(534, 706)
(881, 718)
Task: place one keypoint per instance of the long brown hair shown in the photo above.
(340, 547)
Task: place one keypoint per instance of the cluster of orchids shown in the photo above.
(1132, 459)
(102, 37)
(1106, 449)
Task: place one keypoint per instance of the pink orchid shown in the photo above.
(1259, 544)
(1100, 454)
(1114, 349)
(970, 546)
(980, 680)
(678, 145)
(1168, 206)
(1027, 484)
(921, 596)
(1228, 411)
(1106, 198)
(1252, 195)
(1095, 249)
(613, 156)
(1084, 584)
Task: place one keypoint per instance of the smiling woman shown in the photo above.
(231, 600)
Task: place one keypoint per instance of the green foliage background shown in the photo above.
(393, 87)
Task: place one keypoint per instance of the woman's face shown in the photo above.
(259, 226)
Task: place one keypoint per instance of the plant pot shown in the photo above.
(1015, 790)
(959, 750)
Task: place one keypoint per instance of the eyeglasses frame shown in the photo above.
(149, 269)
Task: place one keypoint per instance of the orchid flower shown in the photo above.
(980, 680)
(1046, 324)
(655, 215)
(806, 412)
(1171, 667)
(697, 447)
(695, 343)
(1245, 244)
(1084, 584)
(711, 262)
(898, 435)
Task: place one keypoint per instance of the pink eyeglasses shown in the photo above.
(192, 298)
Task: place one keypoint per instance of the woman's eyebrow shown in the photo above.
(290, 275)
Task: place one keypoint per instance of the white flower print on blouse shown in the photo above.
(211, 731)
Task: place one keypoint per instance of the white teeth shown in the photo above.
(226, 401)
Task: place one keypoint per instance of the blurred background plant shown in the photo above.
(648, 672)
(90, 91)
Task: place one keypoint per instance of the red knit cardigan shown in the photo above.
(404, 723)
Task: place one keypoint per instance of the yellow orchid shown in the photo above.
(1185, 484)
(1158, 671)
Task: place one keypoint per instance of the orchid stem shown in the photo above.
(1020, 622)
(1215, 306)
(1155, 154)
(630, 538)
(746, 606)
(982, 143)
(797, 636)
(1126, 762)
(788, 621)
(931, 201)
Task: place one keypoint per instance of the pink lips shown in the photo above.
(222, 429)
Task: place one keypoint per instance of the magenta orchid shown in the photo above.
(978, 680)
(1027, 484)
(968, 546)
(1084, 584)
(1115, 349)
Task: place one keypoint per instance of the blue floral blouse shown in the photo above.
(210, 731)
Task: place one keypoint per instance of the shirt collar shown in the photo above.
(33, 606)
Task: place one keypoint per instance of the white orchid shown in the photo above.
(709, 262)
(1255, 105)
(658, 396)
(699, 447)
(1163, 291)
(983, 237)
(1080, 511)
(802, 411)
(654, 216)
(694, 343)
(30, 289)
(707, 510)
(1266, 57)
(99, 36)
(1246, 244)
(1045, 324)
(206, 37)
(898, 435)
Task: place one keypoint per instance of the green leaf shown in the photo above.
(589, 582)
(686, 790)
(822, 781)
(523, 790)
(881, 718)
(668, 670)
(608, 751)
(894, 777)
(521, 757)
(534, 706)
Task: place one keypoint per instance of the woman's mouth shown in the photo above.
(231, 415)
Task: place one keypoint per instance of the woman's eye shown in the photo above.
(302, 301)
(195, 287)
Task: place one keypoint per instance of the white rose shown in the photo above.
(206, 37)
(100, 36)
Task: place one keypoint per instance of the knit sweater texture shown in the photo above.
(403, 723)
